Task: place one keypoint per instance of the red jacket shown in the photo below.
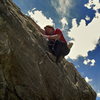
(58, 31)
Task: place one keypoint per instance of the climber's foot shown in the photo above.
(70, 45)
(59, 59)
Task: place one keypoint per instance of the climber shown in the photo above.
(56, 42)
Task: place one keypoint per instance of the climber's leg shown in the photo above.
(61, 50)
(51, 46)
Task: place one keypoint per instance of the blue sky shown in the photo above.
(79, 21)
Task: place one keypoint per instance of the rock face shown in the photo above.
(26, 71)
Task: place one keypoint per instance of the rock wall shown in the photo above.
(26, 71)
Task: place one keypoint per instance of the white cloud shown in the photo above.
(90, 62)
(87, 18)
(88, 79)
(77, 66)
(92, 3)
(85, 37)
(62, 6)
(40, 18)
(98, 95)
(63, 22)
(86, 61)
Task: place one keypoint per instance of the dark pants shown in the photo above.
(58, 48)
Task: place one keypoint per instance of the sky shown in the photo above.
(79, 21)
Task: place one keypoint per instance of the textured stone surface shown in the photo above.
(26, 71)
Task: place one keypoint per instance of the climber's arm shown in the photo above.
(42, 31)
(56, 36)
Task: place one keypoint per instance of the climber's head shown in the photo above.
(49, 29)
